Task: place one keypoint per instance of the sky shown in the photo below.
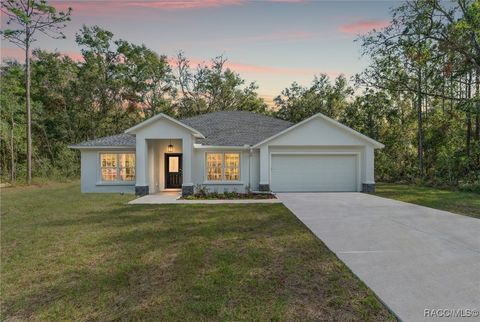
(271, 42)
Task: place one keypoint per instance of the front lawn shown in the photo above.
(68, 256)
(465, 203)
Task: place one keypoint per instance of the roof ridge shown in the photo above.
(235, 111)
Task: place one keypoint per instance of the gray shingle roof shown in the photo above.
(114, 140)
(227, 128)
(235, 128)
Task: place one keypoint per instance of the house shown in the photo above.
(229, 150)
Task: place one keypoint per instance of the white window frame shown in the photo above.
(222, 180)
(117, 182)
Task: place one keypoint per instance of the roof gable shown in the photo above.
(159, 117)
(320, 129)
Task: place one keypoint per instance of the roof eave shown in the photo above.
(96, 147)
(231, 147)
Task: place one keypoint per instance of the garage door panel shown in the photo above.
(313, 172)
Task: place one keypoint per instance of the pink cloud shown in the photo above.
(262, 69)
(108, 6)
(111, 6)
(362, 27)
(259, 69)
(12, 53)
(289, 1)
(183, 4)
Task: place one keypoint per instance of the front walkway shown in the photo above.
(171, 197)
(414, 258)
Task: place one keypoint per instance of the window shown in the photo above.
(223, 166)
(127, 166)
(109, 167)
(173, 164)
(232, 167)
(117, 167)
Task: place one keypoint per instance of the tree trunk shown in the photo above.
(477, 117)
(12, 147)
(420, 123)
(469, 115)
(28, 110)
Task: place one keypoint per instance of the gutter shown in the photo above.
(96, 147)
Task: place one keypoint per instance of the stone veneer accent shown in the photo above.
(141, 190)
(264, 187)
(187, 190)
(368, 187)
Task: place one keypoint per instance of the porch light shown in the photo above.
(170, 147)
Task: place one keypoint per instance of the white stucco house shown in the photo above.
(229, 150)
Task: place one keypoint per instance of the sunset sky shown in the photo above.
(272, 42)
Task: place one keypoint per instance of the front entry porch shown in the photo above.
(165, 166)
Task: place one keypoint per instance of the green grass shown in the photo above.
(464, 203)
(79, 257)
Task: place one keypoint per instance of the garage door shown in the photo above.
(313, 172)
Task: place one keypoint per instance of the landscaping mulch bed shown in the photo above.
(231, 196)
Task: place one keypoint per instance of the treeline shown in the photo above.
(114, 86)
(419, 96)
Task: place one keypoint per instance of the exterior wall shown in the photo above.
(249, 170)
(255, 170)
(319, 136)
(317, 132)
(90, 173)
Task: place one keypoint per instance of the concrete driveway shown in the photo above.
(414, 258)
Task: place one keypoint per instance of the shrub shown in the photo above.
(201, 191)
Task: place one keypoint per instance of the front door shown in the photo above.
(173, 170)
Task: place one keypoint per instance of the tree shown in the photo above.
(428, 57)
(147, 78)
(297, 103)
(31, 16)
(214, 87)
(11, 93)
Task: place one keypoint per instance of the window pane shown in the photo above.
(127, 160)
(214, 166)
(173, 164)
(108, 162)
(127, 174)
(232, 166)
(127, 166)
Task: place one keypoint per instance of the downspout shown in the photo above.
(250, 168)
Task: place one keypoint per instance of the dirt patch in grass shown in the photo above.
(72, 256)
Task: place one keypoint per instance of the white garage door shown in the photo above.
(313, 172)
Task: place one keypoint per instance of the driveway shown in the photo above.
(414, 258)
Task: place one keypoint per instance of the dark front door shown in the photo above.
(173, 170)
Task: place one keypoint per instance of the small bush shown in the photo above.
(200, 191)
(470, 187)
